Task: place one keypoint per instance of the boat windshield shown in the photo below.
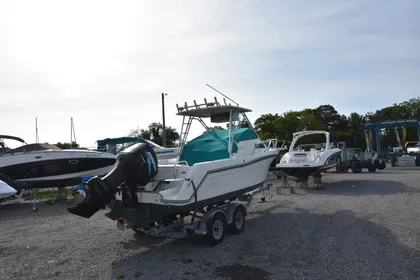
(32, 147)
(412, 144)
(308, 147)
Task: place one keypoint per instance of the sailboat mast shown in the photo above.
(72, 133)
(36, 130)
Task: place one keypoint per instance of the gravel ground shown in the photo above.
(362, 226)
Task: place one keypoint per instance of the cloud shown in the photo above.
(106, 64)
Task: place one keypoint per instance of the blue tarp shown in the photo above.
(114, 141)
(207, 147)
(84, 180)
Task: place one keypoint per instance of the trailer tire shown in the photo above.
(371, 167)
(381, 165)
(356, 166)
(238, 220)
(216, 226)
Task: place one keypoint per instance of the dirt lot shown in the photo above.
(362, 226)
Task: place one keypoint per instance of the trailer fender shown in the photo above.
(231, 209)
(208, 216)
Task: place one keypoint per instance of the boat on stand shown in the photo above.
(305, 160)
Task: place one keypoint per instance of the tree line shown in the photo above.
(324, 117)
(340, 126)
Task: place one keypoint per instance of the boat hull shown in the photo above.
(147, 213)
(307, 170)
(47, 169)
(303, 172)
(57, 181)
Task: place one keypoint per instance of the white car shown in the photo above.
(413, 147)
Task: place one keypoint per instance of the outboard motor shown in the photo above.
(135, 166)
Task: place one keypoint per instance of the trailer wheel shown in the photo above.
(356, 166)
(216, 229)
(381, 165)
(371, 167)
(238, 220)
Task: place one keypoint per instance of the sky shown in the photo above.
(106, 63)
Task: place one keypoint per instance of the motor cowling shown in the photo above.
(136, 166)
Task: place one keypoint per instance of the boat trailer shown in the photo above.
(212, 224)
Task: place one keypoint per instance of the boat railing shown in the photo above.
(177, 163)
(273, 143)
(270, 143)
(196, 106)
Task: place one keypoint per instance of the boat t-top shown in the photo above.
(307, 159)
(211, 171)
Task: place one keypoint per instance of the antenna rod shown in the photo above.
(237, 104)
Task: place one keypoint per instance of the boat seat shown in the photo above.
(171, 193)
(314, 154)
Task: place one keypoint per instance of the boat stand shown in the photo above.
(318, 181)
(303, 183)
(35, 202)
(284, 183)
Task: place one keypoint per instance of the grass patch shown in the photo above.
(137, 274)
(187, 273)
(240, 258)
(61, 262)
(209, 263)
(82, 259)
(45, 195)
(187, 260)
(57, 271)
(94, 276)
(113, 262)
(121, 276)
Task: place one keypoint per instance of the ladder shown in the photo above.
(250, 126)
(185, 129)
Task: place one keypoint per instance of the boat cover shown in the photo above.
(208, 147)
(120, 140)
